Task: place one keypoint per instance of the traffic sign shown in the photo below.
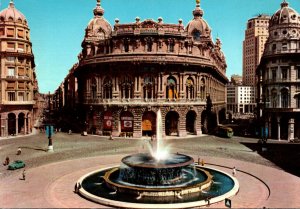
(228, 203)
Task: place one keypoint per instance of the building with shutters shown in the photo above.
(279, 76)
(18, 84)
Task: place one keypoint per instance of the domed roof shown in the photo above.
(198, 24)
(99, 26)
(12, 14)
(285, 15)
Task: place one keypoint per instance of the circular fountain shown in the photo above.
(143, 175)
(156, 179)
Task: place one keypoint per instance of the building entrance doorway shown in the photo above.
(149, 123)
(190, 122)
(172, 124)
(11, 124)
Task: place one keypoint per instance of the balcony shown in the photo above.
(18, 102)
(14, 78)
(278, 80)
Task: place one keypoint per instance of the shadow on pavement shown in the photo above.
(285, 156)
(35, 148)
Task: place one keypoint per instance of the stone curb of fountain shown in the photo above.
(262, 181)
(113, 203)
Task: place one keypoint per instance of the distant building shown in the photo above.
(279, 76)
(240, 99)
(236, 80)
(256, 36)
(18, 85)
(127, 72)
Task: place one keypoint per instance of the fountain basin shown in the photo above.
(223, 186)
(155, 191)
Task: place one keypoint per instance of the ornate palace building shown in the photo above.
(18, 85)
(279, 75)
(127, 72)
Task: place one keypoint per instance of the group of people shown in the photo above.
(7, 161)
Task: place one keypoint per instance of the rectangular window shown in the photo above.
(21, 85)
(11, 96)
(21, 47)
(21, 96)
(21, 72)
(11, 46)
(1, 31)
(11, 85)
(11, 72)
(27, 35)
(284, 73)
(10, 59)
(298, 102)
(298, 72)
(10, 32)
(20, 34)
(274, 74)
(284, 47)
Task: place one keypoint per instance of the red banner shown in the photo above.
(107, 121)
(127, 122)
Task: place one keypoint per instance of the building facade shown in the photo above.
(127, 72)
(19, 87)
(279, 76)
(240, 99)
(256, 36)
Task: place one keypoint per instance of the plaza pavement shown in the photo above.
(51, 185)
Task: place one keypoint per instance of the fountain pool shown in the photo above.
(156, 179)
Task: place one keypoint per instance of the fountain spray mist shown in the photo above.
(160, 153)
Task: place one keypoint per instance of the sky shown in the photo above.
(57, 27)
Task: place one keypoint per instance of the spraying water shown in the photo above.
(159, 153)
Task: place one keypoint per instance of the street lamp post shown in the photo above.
(49, 127)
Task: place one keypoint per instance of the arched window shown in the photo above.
(297, 97)
(202, 89)
(107, 88)
(94, 88)
(196, 35)
(126, 88)
(285, 98)
(171, 88)
(149, 87)
(274, 98)
(190, 90)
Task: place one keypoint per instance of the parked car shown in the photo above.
(16, 165)
(224, 131)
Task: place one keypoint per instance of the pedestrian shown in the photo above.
(70, 132)
(234, 171)
(19, 151)
(6, 162)
(202, 162)
(110, 137)
(24, 175)
(208, 201)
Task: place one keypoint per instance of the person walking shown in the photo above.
(24, 175)
(234, 171)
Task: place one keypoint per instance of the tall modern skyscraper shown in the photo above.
(256, 36)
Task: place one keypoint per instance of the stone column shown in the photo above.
(17, 126)
(25, 126)
(182, 127)
(278, 128)
(270, 127)
(291, 131)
